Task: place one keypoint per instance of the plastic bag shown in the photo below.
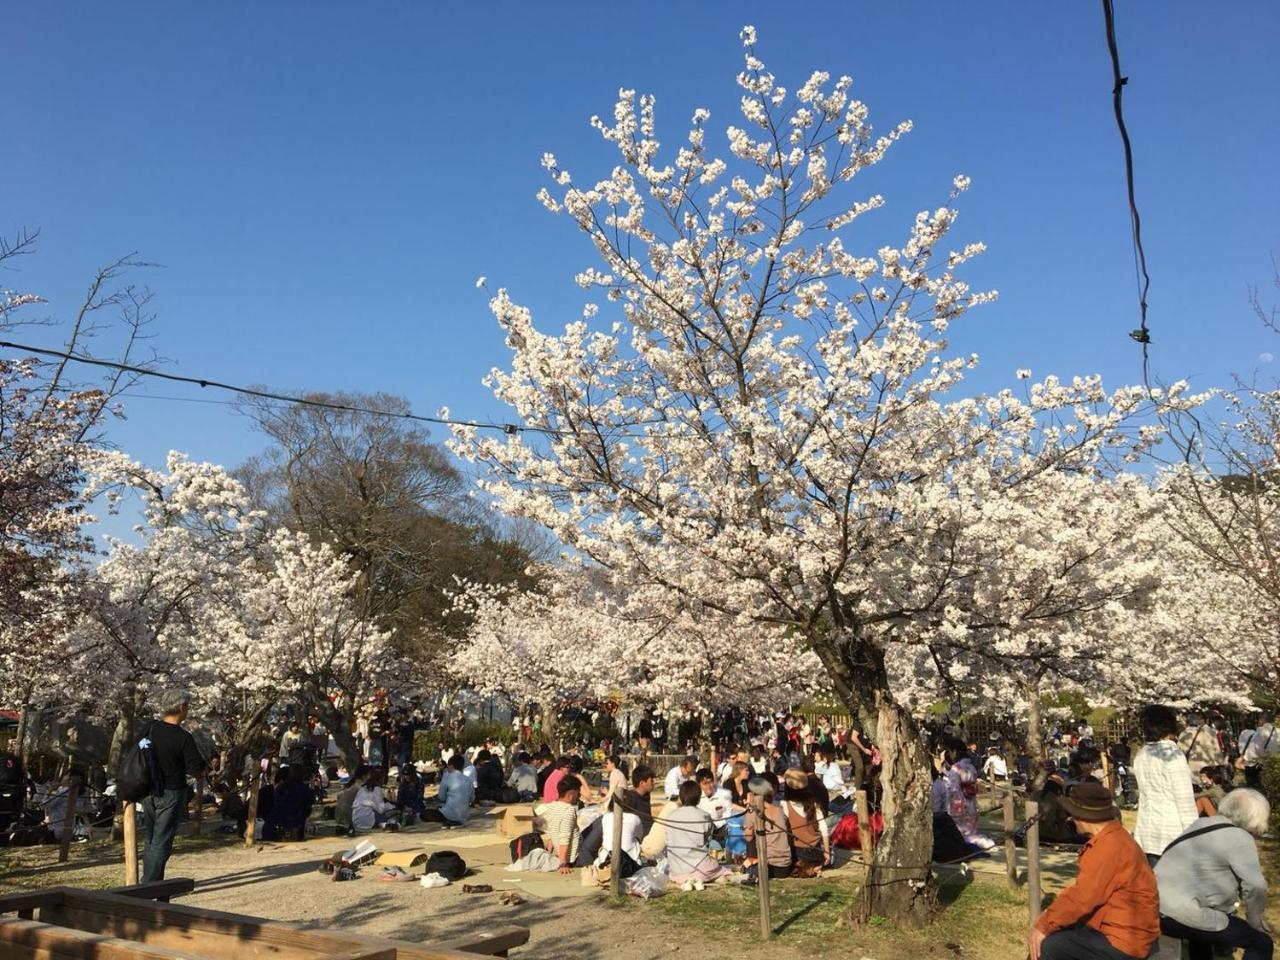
(647, 882)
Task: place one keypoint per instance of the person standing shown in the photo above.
(177, 758)
(1199, 742)
(1166, 803)
(289, 739)
(1255, 746)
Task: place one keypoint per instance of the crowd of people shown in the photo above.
(778, 798)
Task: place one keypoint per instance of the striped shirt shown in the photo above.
(561, 820)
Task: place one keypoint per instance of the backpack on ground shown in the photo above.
(139, 775)
(522, 844)
(508, 795)
(448, 864)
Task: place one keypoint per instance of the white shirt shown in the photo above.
(831, 774)
(632, 833)
(1257, 745)
(469, 771)
(671, 785)
(718, 806)
(1166, 804)
(368, 803)
(996, 768)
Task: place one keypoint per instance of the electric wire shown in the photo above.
(1143, 334)
(204, 382)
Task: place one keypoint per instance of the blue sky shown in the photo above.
(324, 182)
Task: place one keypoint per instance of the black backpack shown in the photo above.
(448, 864)
(139, 775)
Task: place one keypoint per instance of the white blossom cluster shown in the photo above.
(577, 638)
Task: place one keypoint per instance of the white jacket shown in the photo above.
(1166, 803)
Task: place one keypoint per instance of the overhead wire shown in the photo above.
(205, 382)
(1142, 335)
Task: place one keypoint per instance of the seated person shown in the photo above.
(689, 830)
(371, 808)
(1212, 789)
(1111, 911)
(777, 845)
(1056, 825)
(346, 797)
(409, 793)
(524, 778)
(639, 799)
(828, 771)
(819, 792)
(489, 780)
(454, 795)
(561, 820)
(806, 825)
(715, 800)
(1207, 869)
(291, 807)
(632, 831)
(231, 806)
(949, 844)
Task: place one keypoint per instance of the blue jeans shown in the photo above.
(160, 817)
(1080, 943)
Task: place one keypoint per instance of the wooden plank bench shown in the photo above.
(33, 940)
(128, 916)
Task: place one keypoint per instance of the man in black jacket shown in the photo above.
(177, 758)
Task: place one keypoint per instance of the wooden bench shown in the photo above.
(78, 924)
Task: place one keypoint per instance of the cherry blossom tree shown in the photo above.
(760, 423)
(1224, 514)
(215, 601)
(43, 544)
(576, 637)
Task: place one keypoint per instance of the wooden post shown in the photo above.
(1010, 845)
(197, 816)
(130, 824)
(762, 868)
(615, 858)
(69, 820)
(1033, 860)
(251, 816)
(864, 829)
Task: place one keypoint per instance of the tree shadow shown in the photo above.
(808, 908)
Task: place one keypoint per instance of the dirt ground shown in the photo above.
(281, 881)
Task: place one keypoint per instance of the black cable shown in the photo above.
(508, 428)
(1142, 335)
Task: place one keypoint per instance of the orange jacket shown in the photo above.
(1114, 893)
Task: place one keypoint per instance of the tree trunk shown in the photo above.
(340, 727)
(1038, 771)
(20, 740)
(899, 885)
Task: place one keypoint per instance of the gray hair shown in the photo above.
(1247, 809)
(172, 702)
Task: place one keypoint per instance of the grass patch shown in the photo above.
(33, 868)
(976, 918)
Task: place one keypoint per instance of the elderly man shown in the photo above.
(1111, 911)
